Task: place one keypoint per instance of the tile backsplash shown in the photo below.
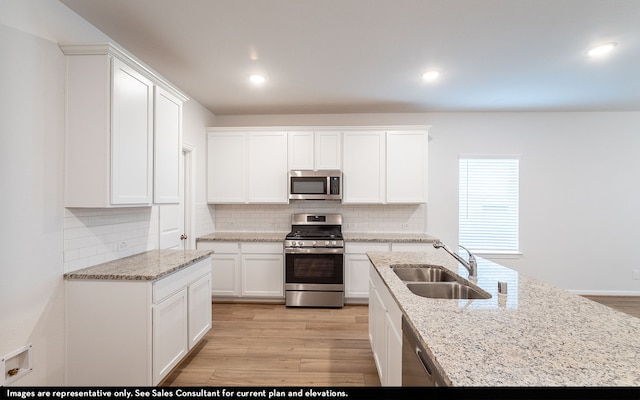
(355, 218)
(93, 236)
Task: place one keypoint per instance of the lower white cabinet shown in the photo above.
(132, 333)
(357, 270)
(385, 331)
(246, 269)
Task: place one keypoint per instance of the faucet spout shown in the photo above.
(471, 265)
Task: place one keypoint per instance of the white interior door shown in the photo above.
(171, 226)
(175, 219)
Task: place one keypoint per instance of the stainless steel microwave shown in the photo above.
(315, 185)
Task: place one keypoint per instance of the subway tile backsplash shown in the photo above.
(355, 218)
(94, 236)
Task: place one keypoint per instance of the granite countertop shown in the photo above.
(147, 266)
(243, 237)
(535, 335)
(395, 237)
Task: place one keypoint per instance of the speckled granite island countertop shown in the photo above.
(535, 335)
(147, 266)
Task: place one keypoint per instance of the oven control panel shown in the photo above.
(313, 243)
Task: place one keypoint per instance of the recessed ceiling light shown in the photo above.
(601, 49)
(431, 75)
(257, 79)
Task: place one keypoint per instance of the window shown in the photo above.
(488, 204)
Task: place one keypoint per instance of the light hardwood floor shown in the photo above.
(272, 345)
(626, 304)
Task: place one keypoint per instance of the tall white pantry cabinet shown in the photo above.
(123, 131)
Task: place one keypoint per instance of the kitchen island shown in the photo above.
(535, 335)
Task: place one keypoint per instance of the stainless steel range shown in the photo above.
(314, 261)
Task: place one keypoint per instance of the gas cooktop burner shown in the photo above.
(314, 235)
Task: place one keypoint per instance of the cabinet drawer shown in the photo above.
(262, 248)
(220, 247)
(362, 248)
(176, 281)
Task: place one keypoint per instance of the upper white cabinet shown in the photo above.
(364, 167)
(247, 167)
(109, 142)
(226, 167)
(315, 150)
(267, 167)
(167, 147)
(407, 167)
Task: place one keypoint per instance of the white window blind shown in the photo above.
(488, 204)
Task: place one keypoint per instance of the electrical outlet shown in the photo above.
(122, 245)
(636, 274)
(405, 226)
(351, 226)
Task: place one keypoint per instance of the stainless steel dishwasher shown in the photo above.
(417, 367)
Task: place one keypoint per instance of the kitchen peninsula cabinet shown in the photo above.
(130, 328)
(246, 167)
(109, 135)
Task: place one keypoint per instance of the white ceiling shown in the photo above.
(352, 56)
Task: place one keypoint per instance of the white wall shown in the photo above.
(38, 234)
(579, 197)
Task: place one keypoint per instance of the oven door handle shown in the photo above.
(314, 250)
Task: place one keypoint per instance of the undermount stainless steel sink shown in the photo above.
(423, 273)
(447, 290)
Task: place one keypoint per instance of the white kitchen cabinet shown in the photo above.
(385, 331)
(225, 267)
(109, 137)
(262, 270)
(167, 147)
(246, 270)
(357, 270)
(406, 163)
(364, 167)
(267, 170)
(170, 331)
(247, 167)
(226, 169)
(310, 150)
(133, 332)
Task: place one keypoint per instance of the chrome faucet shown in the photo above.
(471, 265)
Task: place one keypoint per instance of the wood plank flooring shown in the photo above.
(271, 345)
(626, 304)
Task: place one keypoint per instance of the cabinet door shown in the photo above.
(169, 334)
(226, 275)
(327, 154)
(356, 276)
(263, 275)
(364, 167)
(301, 150)
(166, 147)
(377, 330)
(199, 309)
(131, 134)
(267, 168)
(226, 168)
(406, 167)
(393, 353)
